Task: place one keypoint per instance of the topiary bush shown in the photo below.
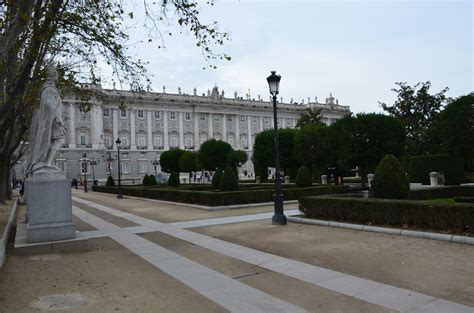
(110, 181)
(390, 180)
(152, 180)
(173, 180)
(303, 177)
(229, 181)
(145, 181)
(216, 179)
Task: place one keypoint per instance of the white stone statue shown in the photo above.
(47, 126)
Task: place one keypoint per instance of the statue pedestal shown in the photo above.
(48, 199)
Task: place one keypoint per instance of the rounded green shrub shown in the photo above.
(152, 180)
(173, 180)
(110, 181)
(229, 180)
(145, 181)
(303, 177)
(216, 179)
(390, 180)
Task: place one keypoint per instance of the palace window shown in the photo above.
(108, 141)
(203, 117)
(255, 120)
(141, 141)
(216, 118)
(123, 113)
(229, 118)
(140, 113)
(106, 112)
(188, 116)
(157, 115)
(124, 140)
(174, 141)
(142, 166)
(158, 142)
(61, 164)
(189, 142)
(266, 119)
(125, 167)
(172, 115)
(242, 118)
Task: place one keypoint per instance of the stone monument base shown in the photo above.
(49, 207)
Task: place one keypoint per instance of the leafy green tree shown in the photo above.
(214, 153)
(236, 159)
(310, 116)
(188, 162)
(390, 180)
(173, 180)
(216, 179)
(77, 36)
(229, 180)
(169, 160)
(310, 146)
(303, 177)
(417, 108)
(264, 149)
(110, 181)
(363, 140)
(454, 129)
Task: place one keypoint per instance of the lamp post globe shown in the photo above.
(84, 156)
(279, 217)
(119, 191)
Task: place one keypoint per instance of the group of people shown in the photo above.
(335, 174)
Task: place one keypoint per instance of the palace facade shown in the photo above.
(155, 122)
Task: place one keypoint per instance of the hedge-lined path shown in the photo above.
(369, 291)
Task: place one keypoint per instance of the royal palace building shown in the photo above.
(151, 123)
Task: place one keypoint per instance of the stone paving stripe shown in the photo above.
(381, 294)
(223, 290)
(228, 219)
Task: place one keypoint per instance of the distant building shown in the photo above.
(155, 122)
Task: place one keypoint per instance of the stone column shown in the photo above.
(165, 130)
(133, 145)
(196, 131)
(210, 131)
(72, 125)
(249, 132)
(115, 126)
(260, 118)
(237, 132)
(224, 127)
(181, 130)
(97, 128)
(149, 130)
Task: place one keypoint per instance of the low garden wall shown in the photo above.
(217, 198)
(454, 218)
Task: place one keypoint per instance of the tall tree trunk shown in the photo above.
(5, 190)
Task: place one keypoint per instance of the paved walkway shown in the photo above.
(231, 294)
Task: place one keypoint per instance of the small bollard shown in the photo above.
(434, 179)
(370, 177)
(324, 179)
(287, 179)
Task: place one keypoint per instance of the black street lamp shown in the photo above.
(119, 192)
(84, 155)
(278, 217)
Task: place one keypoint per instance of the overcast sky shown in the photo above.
(355, 49)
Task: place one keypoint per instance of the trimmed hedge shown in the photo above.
(441, 192)
(216, 178)
(212, 198)
(420, 166)
(456, 217)
(229, 181)
(173, 180)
